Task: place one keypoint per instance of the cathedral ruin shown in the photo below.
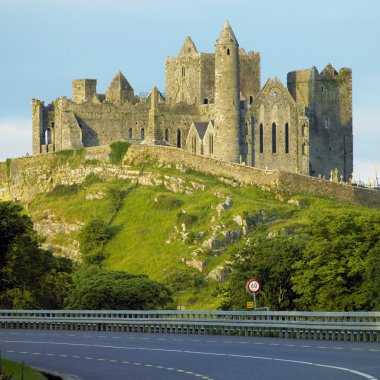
(214, 106)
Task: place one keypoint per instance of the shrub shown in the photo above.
(91, 179)
(118, 151)
(166, 203)
(64, 190)
(116, 290)
(92, 240)
(183, 279)
(184, 217)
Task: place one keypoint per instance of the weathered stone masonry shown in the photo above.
(214, 106)
(35, 174)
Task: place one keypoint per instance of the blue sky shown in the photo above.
(44, 44)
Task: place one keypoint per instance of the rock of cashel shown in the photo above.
(214, 106)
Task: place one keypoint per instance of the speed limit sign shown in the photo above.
(253, 286)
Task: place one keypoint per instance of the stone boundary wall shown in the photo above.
(282, 182)
(40, 173)
(291, 183)
(245, 174)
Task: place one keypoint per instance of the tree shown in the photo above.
(270, 261)
(24, 264)
(336, 269)
(116, 290)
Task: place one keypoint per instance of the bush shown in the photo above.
(64, 190)
(184, 280)
(184, 217)
(118, 151)
(166, 203)
(91, 179)
(116, 290)
(92, 239)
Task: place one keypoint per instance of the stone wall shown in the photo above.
(276, 121)
(282, 182)
(327, 98)
(31, 175)
(174, 156)
(4, 193)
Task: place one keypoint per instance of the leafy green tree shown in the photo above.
(92, 240)
(270, 261)
(336, 269)
(117, 290)
(24, 264)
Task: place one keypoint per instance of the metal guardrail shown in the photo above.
(347, 326)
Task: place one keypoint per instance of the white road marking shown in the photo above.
(362, 374)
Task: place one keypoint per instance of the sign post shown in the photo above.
(253, 287)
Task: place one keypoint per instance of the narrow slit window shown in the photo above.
(142, 134)
(167, 135)
(261, 138)
(130, 133)
(228, 51)
(274, 138)
(286, 138)
(178, 138)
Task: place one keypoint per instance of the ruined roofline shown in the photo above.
(328, 71)
(273, 81)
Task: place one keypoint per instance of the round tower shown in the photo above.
(227, 97)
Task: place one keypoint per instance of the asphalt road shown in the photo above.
(127, 356)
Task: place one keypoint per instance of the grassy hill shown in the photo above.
(180, 230)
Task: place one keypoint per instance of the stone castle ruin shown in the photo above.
(214, 106)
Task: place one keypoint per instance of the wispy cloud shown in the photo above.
(15, 138)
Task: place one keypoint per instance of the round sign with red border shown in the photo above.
(253, 286)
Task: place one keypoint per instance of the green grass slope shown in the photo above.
(158, 228)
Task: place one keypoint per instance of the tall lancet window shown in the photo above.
(274, 138)
(286, 138)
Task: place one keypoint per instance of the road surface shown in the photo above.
(130, 356)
